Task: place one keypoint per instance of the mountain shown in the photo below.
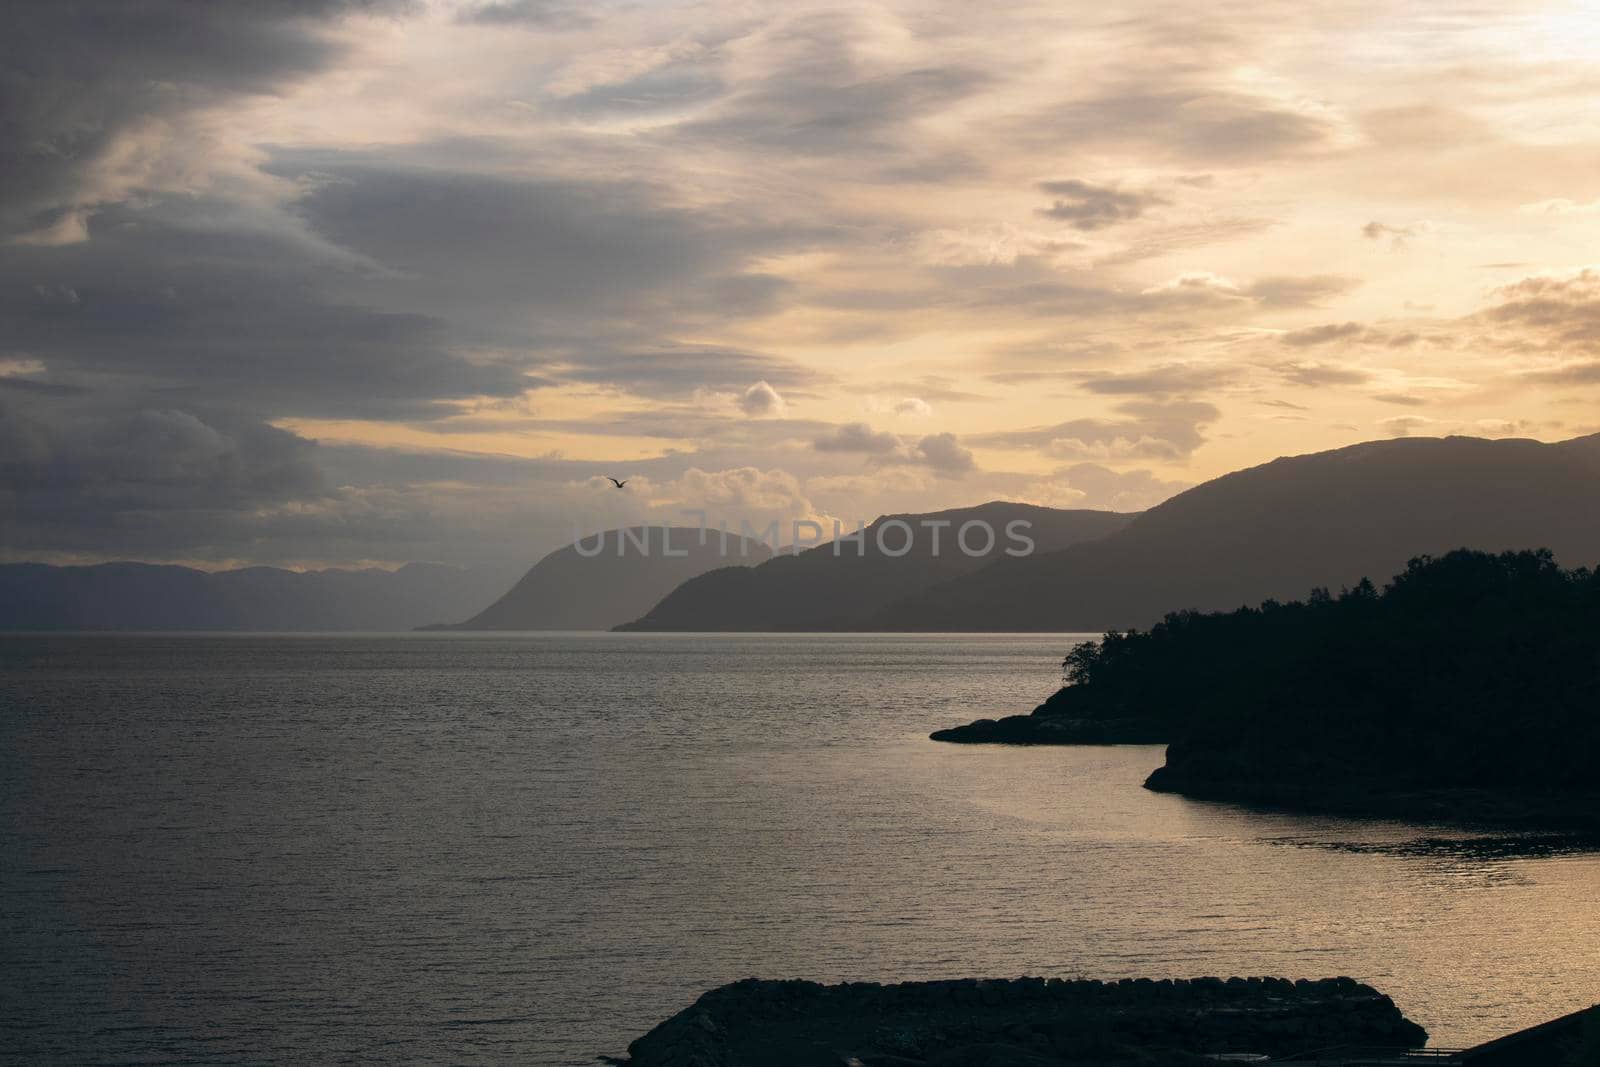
(821, 589)
(612, 579)
(142, 596)
(1273, 531)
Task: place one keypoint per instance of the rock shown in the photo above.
(1026, 1021)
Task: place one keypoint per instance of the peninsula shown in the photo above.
(1465, 691)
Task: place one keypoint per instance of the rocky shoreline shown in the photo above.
(1575, 817)
(1059, 721)
(1026, 1022)
(1039, 729)
(1070, 716)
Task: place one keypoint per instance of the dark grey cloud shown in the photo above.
(572, 251)
(1087, 206)
(168, 312)
(1148, 430)
(77, 75)
(85, 475)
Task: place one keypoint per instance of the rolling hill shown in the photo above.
(1276, 530)
(820, 590)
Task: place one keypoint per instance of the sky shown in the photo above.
(324, 282)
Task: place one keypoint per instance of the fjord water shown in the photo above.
(532, 848)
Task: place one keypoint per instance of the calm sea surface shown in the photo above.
(532, 848)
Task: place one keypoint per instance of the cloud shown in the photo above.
(1168, 431)
(540, 14)
(1406, 425)
(1318, 374)
(1086, 206)
(495, 248)
(857, 437)
(942, 453)
(1321, 335)
(157, 305)
(1276, 291)
(1559, 309)
(749, 488)
(99, 94)
(1202, 124)
(75, 475)
(913, 406)
(1102, 487)
(1560, 207)
(1546, 322)
(1285, 290)
(820, 95)
(676, 371)
(1399, 236)
(761, 399)
(1582, 373)
(1165, 380)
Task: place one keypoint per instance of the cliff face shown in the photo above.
(1029, 1022)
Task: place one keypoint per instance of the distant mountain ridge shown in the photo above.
(1273, 531)
(611, 577)
(823, 588)
(145, 596)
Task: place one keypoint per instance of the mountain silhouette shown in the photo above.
(569, 590)
(1273, 531)
(820, 590)
(143, 596)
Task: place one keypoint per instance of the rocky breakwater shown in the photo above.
(1026, 1022)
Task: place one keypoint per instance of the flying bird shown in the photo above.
(616, 483)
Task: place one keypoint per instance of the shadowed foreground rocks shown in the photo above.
(1027, 1022)
(1072, 715)
(1037, 729)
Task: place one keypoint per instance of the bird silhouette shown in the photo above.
(616, 483)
